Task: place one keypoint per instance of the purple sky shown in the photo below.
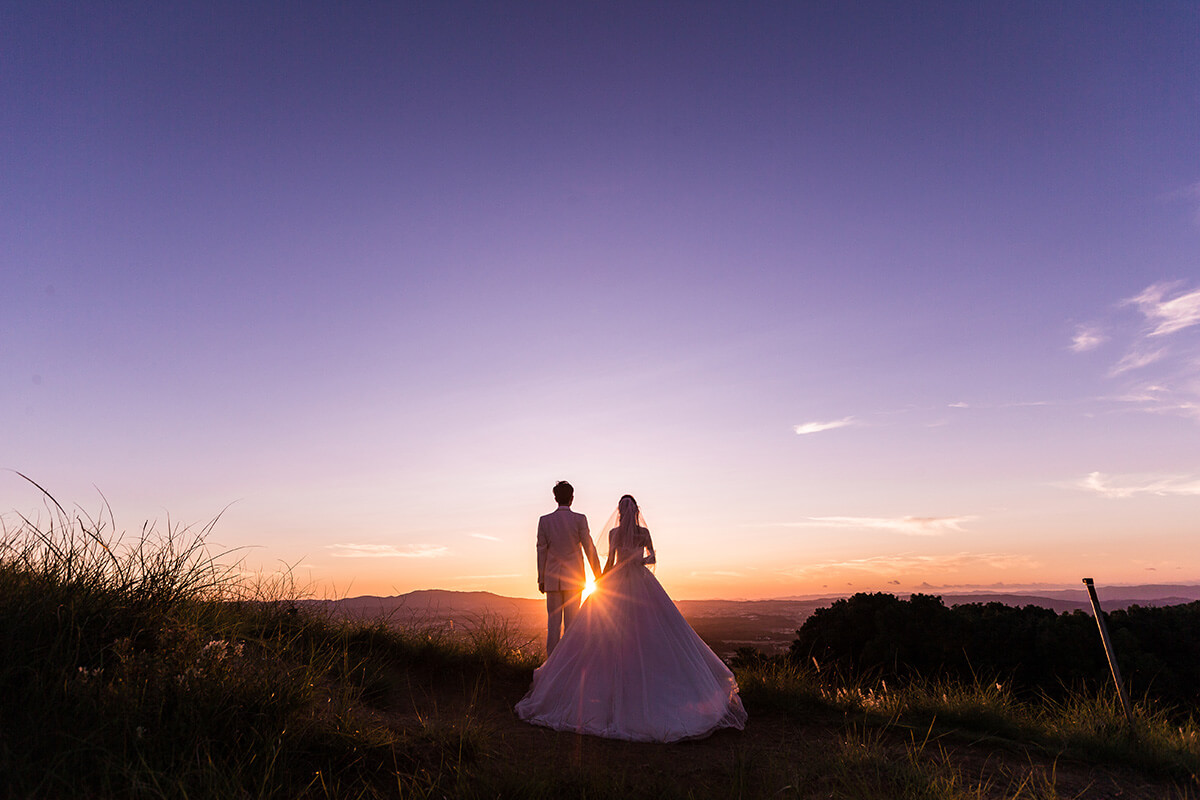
(851, 295)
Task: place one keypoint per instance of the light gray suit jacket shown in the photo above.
(562, 542)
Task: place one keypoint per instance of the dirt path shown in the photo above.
(783, 755)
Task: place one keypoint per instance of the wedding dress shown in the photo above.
(630, 667)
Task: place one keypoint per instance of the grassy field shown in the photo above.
(140, 666)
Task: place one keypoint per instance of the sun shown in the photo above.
(589, 586)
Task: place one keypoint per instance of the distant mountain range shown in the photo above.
(726, 625)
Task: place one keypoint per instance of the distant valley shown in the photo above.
(768, 625)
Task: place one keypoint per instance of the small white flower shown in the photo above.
(216, 649)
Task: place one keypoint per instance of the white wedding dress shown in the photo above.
(630, 667)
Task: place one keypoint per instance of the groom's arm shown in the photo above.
(543, 546)
(589, 548)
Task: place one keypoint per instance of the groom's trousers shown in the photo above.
(561, 608)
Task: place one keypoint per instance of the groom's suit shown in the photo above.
(562, 542)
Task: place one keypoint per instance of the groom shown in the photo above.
(562, 542)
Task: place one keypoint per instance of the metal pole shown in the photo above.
(1108, 651)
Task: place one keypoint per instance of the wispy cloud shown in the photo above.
(1168, 314)
(909, 563)
(1157, 338)
(818, 427)
(1128, 486)
(996, 586)
(911, 415)
(485, 537)
(718, 573)
(1014, 404)
(353, 550)
(1161, 399)
(1189, 194)
(911, 526)
(1136, 359)
(1087, 337)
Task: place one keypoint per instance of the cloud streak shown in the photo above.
(1158, 361)
(1136, 360)
(907, 563)
(817, 427)
(989, 406)
(910, 526)
(352, 550)
(1189, 194)
(1131, 486)
(1168, 314)
(1087, 337)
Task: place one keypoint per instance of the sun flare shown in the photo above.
(588, 587)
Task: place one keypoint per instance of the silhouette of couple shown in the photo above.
(624, 664)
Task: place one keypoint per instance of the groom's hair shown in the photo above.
(564, 493)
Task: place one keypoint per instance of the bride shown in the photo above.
(630, 667)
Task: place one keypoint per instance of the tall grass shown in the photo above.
(145, 667)
(1087, 726)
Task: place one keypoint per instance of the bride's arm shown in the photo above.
(612, 556)
(650, 558)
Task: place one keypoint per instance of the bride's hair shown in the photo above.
(627, 509)
(629, 518)
(627, 526)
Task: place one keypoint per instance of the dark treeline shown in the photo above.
(1034, 648)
